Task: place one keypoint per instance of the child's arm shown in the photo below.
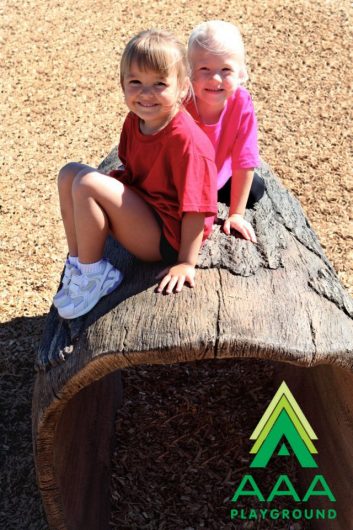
(192, 227)
(240, 189)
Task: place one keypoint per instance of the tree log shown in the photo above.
(279, 300)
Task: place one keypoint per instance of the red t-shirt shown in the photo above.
(172, 170)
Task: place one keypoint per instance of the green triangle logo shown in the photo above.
(283, 425)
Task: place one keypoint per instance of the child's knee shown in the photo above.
(86, 182)
(67, 174)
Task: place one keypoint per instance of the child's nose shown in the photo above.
(146, 90)
(216, 76)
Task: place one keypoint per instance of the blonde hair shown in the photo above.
(156, 50)
(219, 37)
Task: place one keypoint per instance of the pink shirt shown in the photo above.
(234, 136)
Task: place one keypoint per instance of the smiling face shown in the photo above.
(152, 96)
(215, 77)
(154, 77)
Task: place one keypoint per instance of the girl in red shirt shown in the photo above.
(162, 204)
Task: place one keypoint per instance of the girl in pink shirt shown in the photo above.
(225, 112)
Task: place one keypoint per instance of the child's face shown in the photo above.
(215, 77)
(152, 96)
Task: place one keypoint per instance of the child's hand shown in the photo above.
(237, 222)
(174, 278)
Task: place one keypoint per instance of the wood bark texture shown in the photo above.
(279, 299)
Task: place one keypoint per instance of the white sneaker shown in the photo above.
(85, 290)
(69, 272)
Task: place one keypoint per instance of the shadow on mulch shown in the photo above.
(183, 447)
(20, 500)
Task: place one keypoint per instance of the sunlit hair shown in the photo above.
(156, 50)
(219, 37)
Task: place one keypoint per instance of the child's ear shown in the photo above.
(243, 74)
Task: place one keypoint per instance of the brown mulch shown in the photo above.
(61, 102)
(183, 447)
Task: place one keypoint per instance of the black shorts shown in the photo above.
(256, 192)
(168, 253)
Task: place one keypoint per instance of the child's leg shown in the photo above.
(256, 191)
(65, 180)
(102, 204)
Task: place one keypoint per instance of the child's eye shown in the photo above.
(134, 82)
(204, 69)
(226, 69)
(161, 83)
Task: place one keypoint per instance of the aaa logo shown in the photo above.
(283, 421)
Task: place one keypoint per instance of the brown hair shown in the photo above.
(155, 50)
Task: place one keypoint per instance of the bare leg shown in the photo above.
(102, 204)
(65, 181)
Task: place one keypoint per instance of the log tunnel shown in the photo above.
(294, 311)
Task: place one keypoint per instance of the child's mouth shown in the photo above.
(147, 105)
(214, 90)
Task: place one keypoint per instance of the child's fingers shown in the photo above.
(175, 277)
(226, 227)
(245, 232)
(180, 284)
(164, 283)
(171, 284)
(250, 233)
(244, 228)
(191, 281)
(253, 236)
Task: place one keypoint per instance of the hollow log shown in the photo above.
(278, 300)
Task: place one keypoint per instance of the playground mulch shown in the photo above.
(61, 101)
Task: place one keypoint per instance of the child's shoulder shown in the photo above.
(241, 94)
(128, 124)
(185, 131)
(183, 123)
(239, 104)
(130, 118)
